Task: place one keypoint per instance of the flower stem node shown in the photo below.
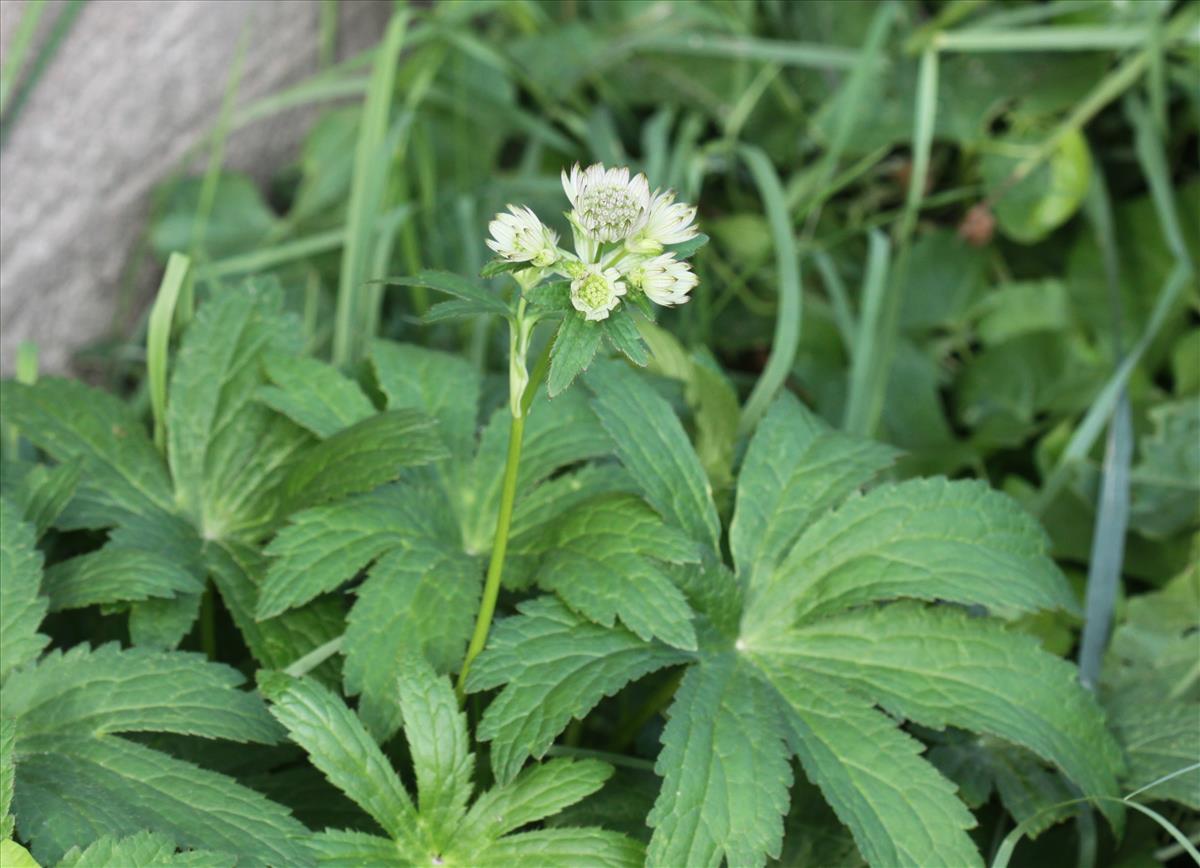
(596, 292)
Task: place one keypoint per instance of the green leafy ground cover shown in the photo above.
(882, 549)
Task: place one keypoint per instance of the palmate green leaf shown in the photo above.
(22, 605)
(229, 452)
(436, 732)
(441, 385)
(111, 575)
(651, 443)
(419, 599)
(1161, 740)
(84, 692)
(107, 785)
(796, 468)
(457, 286)
(237, 571)
(725, 771)
(45, 492)
(338, 745)
(143, 850)
(621, 331)
(8, 738)
(440, 831)
(362, 457)
(554, 666)
(122, 473)
(599, 564)
(927, 539)
(575, 346)
(940, 667)
(314, 395)
(564, 848)
(899, 809)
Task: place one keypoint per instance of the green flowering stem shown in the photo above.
(522, 387)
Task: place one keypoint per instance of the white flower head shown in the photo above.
(609, 205)
(520, 236)
(596, 292)
(667, 222)
(665, 279)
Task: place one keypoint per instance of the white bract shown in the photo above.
(667, 222)
(620, 231)
(665, 280)
(520, 236)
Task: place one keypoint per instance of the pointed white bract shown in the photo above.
(665, 279)
(608, 204)
(667, 222)
(597, 292)
(619, 231)
(520, 236)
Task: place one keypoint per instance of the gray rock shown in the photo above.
(135, 85)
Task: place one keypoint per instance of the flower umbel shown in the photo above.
(667, 222)
(609, 204)
(597, 292)
(520, 236)
(665, 279)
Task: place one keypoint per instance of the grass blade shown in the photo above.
(365, 196)
(787, 320)
(58, 34)
(17, 48)
(868, 376)
(814, 55)
(158, 341)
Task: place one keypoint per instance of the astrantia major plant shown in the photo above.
(358, 527)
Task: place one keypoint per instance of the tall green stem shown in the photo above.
(491, 588)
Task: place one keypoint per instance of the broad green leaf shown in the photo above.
(237, 571)
(651, 443)
(348, 849)
(899, 809)
(8, 737)
(725, 770)
(622, 332)
(599, 565)
(143, 850)
(228, 452)
(540, 791)
(238, 219)
(940, 667)
(925, 539)
(1034, 206)
(565, 848)
(112, 575)
(419, 599)
(122, 473)
(163, 622)
(22, 607)
(363, 456)
(553, 666)
(1160, 740)
(796, 468)
(575, 346)
(436, 731)
(440, 385)
(45, 492)
(322, 547)
(84, 693)
(89, 787)
(338, 745)
(314, 395)
(453, 284)
(1166, 481)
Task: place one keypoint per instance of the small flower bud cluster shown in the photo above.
(620, 230)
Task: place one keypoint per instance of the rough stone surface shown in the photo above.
(136, 84)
